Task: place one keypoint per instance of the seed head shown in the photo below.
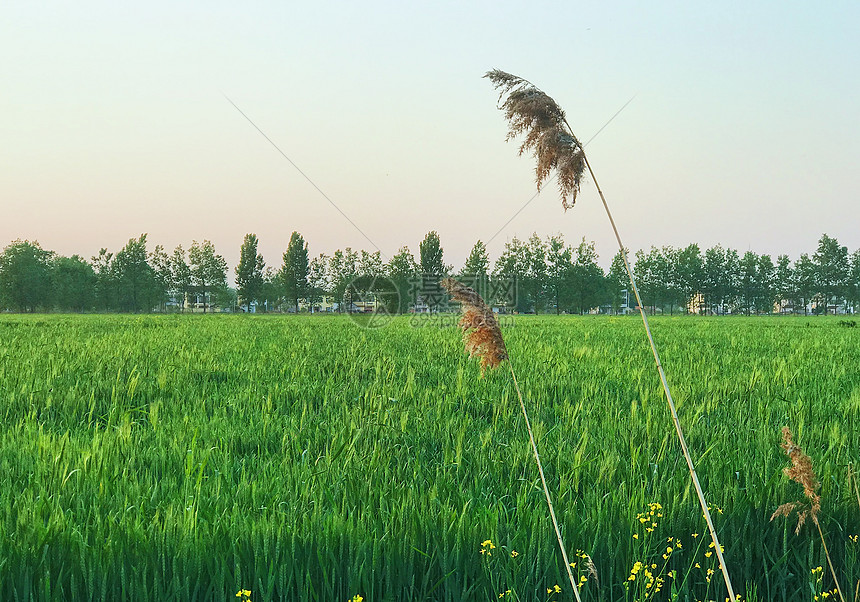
(800, 472)
(534, 114)
(481, 333)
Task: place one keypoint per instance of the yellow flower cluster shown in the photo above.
(356, 598)
(824, 595)
(635, 571)
(244, 595)
(649, 518)
(555, 589)
(487, 546)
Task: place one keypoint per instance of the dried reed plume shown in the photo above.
(532, 113)
(801, 472)
(483, 338)
(481, 333)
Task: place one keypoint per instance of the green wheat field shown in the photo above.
(304, 458)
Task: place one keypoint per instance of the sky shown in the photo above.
(117, 120)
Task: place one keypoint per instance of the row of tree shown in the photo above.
(538, 274)
(130, 280)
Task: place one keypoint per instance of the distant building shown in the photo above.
(696, 305)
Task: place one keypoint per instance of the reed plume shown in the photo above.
(482, 337)
(538, 118)
(481, 333)
(801, 472)
(535, 115)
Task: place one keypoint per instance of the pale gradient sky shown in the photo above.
(743, 131)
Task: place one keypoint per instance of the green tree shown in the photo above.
(208, 273)
(587, 280)
(430, 253)
(433, 269)
(25, 276)
(832, 268)
(342, 269)
(783, 281)
(804, 282)
(317, 280)
(645, 279)
(732, 279)
(536, 273)
(106, 282)
(273, 289)
(654, 274)
(749, 282)
(403, 271)
(294, 272)
(670, 277)
(73, 284)
(477, 263)
(689, 274)
(765, 284)
(370, 264)
(160, 262)
(663, 263)
(180, 277)
(249, 272)
(618, 282)
(476, 270)
(713, 278)
(134, 276)
(509, 273)
(558, 268)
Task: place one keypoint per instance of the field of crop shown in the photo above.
(187, 457)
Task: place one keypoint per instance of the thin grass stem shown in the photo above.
(829, 562)
(545, 488)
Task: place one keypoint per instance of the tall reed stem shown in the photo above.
(829, 562)
(545, 488)
(665, 384)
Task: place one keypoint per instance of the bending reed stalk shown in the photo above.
(545, 488)
(695, 477)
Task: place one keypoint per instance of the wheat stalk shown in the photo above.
(483, 338)
(532, 113)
